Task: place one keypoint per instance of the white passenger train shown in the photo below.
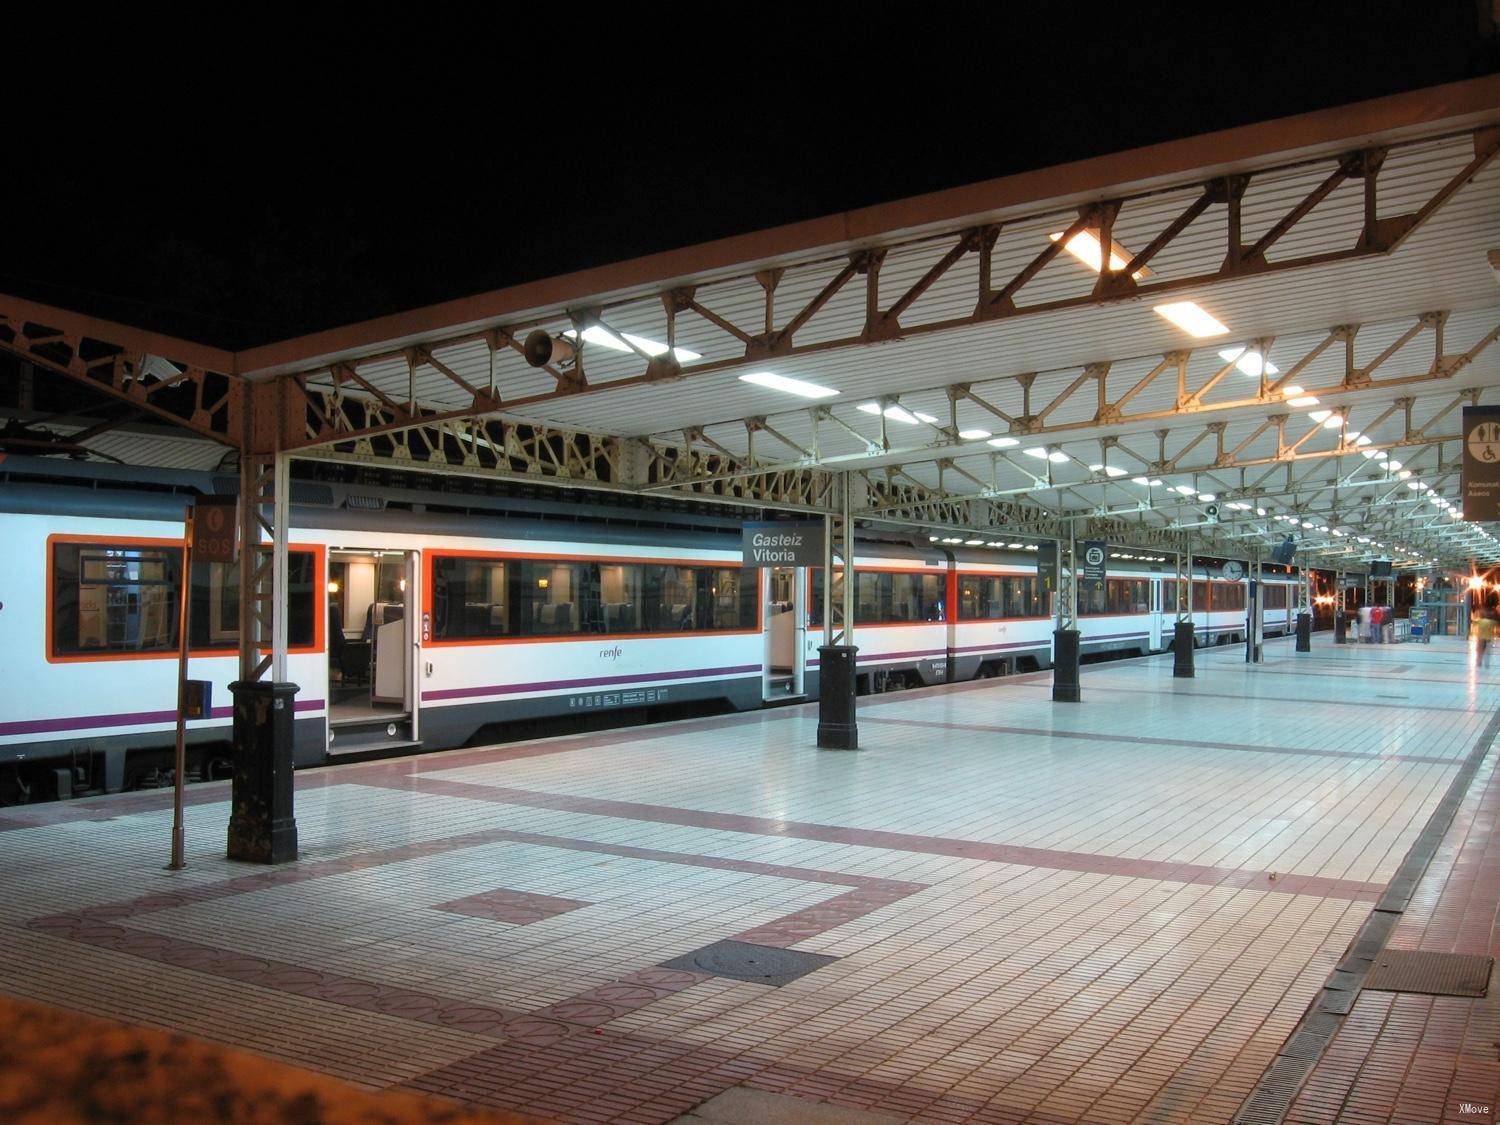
(426, 619)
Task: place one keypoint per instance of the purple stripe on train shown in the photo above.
(125, 719)
(591, 681)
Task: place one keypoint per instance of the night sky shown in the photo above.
(322, 175)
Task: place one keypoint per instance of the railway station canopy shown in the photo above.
(1209, 344)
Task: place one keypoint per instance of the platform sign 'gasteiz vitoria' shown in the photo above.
(783, 543)
(1481, 495)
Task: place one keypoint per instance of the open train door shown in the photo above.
(374, 651)
(783, 598)
(1157, 587)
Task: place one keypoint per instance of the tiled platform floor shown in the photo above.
(1109, 911)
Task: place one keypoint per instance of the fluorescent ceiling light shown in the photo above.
(790, 386)
(1291, 390)
(1351, 435)
(1260, 511)
(1305, 400)
(1364, 439)
(1113, 471)
(1413, 484)
(973, 435)
(973, 542)
(1191, 319)
(597, 334)
(1036, 451)
(1206, 497)
(1319, 415)
(1140, 480)
(1057, 456)
(1014, 546)
(1332, 423)
(1032, 547)
(1369, 453)
(1003, 442)
(1185, 489)
(1405, 473)
(1393, 466)
(898, 413)
(1085, 247)
(1249, 362)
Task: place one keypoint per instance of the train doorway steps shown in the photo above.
(375, 736)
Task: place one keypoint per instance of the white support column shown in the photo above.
(828, 579)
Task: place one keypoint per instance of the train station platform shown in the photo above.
(1000, 909)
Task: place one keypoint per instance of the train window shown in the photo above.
(552, 598)
(883, 597)
(1023, 597)
(1116, 596)
(214, 621)
(1169, 595)
(993, 597)
(979, 597)
(1093, 597)
(109, 598)
(468, 598)
(1227, 596)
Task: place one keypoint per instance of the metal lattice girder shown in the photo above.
(175, 380)
(1010, 399)
(761, 314)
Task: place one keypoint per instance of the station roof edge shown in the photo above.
(1398, 117)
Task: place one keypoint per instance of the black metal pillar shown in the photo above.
(1340, 625)
(836, 723)
(1182, 650)
(1065, 680)
(262, 828)
(1304, 632)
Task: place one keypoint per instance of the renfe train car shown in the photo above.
(422, 620)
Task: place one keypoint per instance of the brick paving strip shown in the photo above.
(1328, 1012)
(100, 926)
(135, 803)
(1092, 863)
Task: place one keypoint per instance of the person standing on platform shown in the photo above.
(1484, 633)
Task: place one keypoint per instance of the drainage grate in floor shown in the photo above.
(1437, 974)
(760, 964)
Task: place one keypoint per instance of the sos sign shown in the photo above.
(214, 526)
